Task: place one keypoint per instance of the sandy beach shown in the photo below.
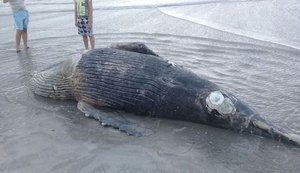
(249, 48)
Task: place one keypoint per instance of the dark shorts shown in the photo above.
(83, 27)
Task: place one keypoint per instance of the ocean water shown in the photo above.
(249, 47)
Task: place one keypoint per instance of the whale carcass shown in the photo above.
(133, 78)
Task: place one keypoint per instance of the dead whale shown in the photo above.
(133, 78)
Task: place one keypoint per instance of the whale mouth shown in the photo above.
(51, 85)
(56, 81)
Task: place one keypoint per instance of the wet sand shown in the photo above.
(43, 135)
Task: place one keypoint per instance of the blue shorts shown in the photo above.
(21, 19)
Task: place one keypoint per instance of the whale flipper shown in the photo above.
(134, 47)
(115, 120)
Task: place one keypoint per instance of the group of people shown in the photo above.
(83, 20)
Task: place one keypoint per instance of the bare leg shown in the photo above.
(85, 41)
(18, 39)
(92, 41)
(24, 36)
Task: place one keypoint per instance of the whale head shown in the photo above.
(56, 81)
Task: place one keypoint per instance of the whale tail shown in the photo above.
(227, 111)
(262, 128)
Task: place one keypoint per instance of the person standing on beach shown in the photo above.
(21, 17)
(84, 21)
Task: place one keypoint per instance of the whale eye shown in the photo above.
(216, 101)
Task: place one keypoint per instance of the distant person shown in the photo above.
(84, 21)
(21, 17)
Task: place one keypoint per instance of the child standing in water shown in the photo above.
(84, 21)
(21, 17)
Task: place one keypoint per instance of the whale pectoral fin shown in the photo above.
(112, 119)
(134, 47)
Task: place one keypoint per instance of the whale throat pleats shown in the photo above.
(103, 79)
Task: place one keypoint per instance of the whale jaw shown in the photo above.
(57, 81)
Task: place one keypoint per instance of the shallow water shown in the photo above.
(42, 135)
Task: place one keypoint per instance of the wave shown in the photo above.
(273, 21)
